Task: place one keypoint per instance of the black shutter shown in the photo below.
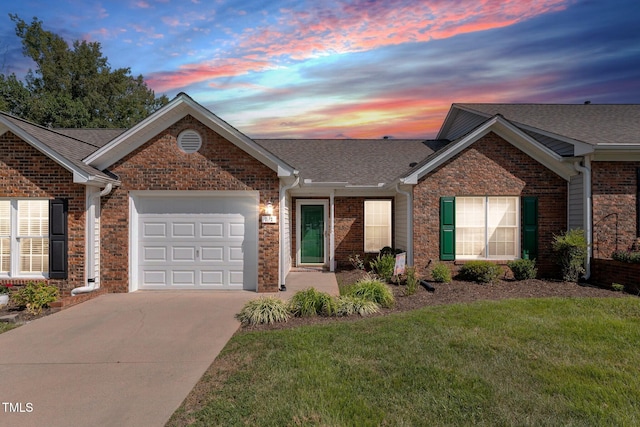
(58, 257)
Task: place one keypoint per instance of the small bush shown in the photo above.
(373, 290)
(626, 256)
(356, 262)
(383, 266)
(348, 305)
(412, 281)
(264, 310)
(311, 302)
(523, 269)
(480, 271)
(35, 296)
(441, 273)
(571, 248)
(617, 287)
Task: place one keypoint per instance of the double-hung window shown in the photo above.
(377, 225)
(24, 237)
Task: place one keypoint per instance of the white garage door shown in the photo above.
(197, 243)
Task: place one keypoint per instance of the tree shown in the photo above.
(73, 86)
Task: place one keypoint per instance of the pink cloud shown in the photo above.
(357, 26)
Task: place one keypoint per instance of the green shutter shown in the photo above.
(529, 227)
(447, 228)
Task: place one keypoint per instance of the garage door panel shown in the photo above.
(211, 247)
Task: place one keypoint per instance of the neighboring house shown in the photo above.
(185, 201)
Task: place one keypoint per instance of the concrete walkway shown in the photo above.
(121, 359)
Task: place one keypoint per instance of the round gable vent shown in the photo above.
(189, 141)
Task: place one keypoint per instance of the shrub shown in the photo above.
(35, 296)
(441, 273)
(388, 250)
(523, 269)
(383, 266)
(412, 281)
(626, 256)
(356, 262)
(373, 290)
(264, 310)
(6, 289)
(571, 248)
(617, 287)
(480, 271)
(348, 305)
(311, 302)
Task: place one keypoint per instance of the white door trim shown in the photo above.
(312, 202)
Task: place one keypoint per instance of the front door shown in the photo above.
(312, 234)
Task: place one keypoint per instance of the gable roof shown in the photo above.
(68, 152)
(97, 137)
(181, 106)
(594, 124)
(351, 162)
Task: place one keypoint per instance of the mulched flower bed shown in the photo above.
(456, 292)
(23, 315)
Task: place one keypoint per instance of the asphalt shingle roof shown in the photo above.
(589, 123)
(354, 161)
(96, 137)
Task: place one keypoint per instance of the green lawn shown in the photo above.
(4, 327)
(529, 362)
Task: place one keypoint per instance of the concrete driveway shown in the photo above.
(117, 360)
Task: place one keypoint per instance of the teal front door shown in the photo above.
(311, 234)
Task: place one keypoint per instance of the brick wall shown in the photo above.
(605, 272)
(489, 167)
(24, 173)
(614, 190)
(160, 165)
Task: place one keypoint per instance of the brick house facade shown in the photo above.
(130, 195)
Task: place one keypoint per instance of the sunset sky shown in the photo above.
(353, 68)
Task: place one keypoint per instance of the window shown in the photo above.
(486, 227)
(24, 237)
(377, 225)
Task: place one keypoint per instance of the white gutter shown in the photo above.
(281, 245)
(409, 196)
(332, 235)
(92, 285)
(586, 170)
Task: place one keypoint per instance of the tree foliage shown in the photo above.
(73, 86)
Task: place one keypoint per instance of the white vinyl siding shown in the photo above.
(576, 202)
(487, 227)
(377, 225)
(24, 237)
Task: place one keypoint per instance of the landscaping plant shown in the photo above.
(571, 248)
(626, 256)
(264, 310)
(441, 273)
(412, 281)
(35, 296)
(523, 269)
(480, 271)
(311, 302)
(373, 290)
(383, 266)
(348, 305)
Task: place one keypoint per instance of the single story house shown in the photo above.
(183, 200)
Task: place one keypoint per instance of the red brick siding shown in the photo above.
(160, 165)
(492, 167)
(614, 190)
(25, 172)
(348, 228)
(605, 272)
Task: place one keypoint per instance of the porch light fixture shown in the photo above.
(268, 210)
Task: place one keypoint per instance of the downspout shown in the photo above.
(586, 171)
(409, 196)
(332, 235)
(91, 281)
(281, 246)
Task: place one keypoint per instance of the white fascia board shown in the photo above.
(511, 134)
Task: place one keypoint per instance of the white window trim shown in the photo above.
(14, 244)
(390, 225)
(486, 227)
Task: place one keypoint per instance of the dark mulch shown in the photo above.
(457, 292)
(23, 315)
